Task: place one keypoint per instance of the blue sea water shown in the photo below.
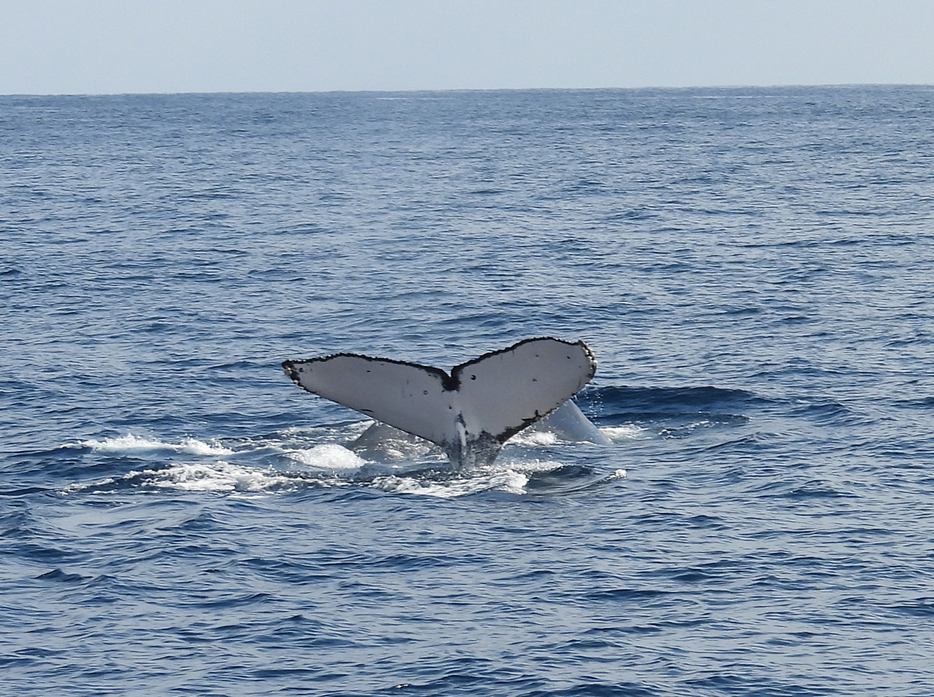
(753, 268)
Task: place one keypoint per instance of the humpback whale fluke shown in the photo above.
(469, 412)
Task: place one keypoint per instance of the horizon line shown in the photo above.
(737, 86)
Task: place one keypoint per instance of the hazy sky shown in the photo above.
(115, 46)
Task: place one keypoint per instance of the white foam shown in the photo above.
(197, 447)
(75, 488)
(131, 443)
(509, 481)
(317, 461)
(510, 476)
(329, 456)
(217, 476)
(532, 437)
(625, 432)
(535, 465)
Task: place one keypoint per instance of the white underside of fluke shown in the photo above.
(470, 412)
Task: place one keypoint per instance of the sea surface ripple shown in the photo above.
(752, 268)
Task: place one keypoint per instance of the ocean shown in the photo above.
(752, 267)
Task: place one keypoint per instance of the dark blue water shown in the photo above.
(754, 269)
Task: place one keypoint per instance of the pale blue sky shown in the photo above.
(116, 46)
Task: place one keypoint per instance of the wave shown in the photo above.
(336, 455)
(132, 443)
(296, 459)
(226, 478)
(217, 476)
(325, 456)
(300, 458)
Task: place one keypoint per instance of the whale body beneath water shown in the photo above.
(471, 411)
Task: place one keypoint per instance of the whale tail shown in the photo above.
(469, 412)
